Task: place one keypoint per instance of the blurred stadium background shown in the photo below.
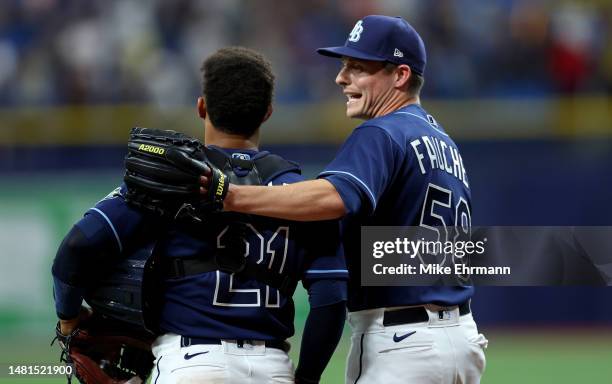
(523, 86)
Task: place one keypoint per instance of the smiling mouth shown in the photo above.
(353, 97)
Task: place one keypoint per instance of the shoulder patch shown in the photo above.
(115, 193)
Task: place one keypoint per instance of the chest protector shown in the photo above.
(130, 292)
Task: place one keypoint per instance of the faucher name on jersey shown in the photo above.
(442, 156)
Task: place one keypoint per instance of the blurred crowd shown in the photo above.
(136, 51)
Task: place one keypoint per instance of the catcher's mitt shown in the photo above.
(101, 351)
(163, 170)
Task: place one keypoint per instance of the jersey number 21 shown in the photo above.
(272, 251)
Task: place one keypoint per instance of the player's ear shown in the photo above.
(402, 75)
(268, 113)
(201, 107)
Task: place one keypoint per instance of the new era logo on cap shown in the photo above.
(383, 38)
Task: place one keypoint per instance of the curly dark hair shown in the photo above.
(238, 86)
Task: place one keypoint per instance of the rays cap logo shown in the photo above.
(383, 38)
(356, 32)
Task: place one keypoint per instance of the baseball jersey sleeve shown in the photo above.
(287, 178)
(363, 168)
(114, 214)
(325, 273)
(324, 252)
(105, 231)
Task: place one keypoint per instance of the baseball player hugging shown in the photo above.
(398, 167)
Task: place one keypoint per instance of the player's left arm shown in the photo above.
(84, 250)
(323, 328)
(325, 278)
(92, 244)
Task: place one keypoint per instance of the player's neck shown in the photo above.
(398, 103)
(212, 136)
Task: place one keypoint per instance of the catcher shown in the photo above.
(177, 286)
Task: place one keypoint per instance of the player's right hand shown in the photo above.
(69, 325)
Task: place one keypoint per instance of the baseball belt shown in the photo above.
(283, 345)
(417, 315)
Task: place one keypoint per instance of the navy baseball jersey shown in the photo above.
(392, 170)
(227, 306)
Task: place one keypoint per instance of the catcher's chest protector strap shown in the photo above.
(183, 267)
(261, 170)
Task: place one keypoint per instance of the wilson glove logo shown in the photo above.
(151, 149)
(221, 185)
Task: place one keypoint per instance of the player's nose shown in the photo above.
(342, 78)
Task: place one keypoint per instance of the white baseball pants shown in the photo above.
(214, 364)
(447, 349)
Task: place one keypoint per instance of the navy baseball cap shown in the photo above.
(383, 38)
